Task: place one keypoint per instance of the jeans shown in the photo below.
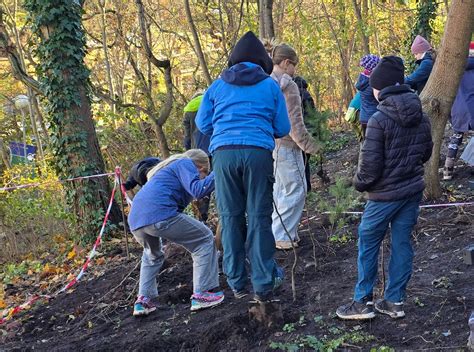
(244, 183)
(402, 216)
(289, 193)
(194, 236)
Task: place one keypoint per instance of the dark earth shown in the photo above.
(97, 314)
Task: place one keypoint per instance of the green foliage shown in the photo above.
(329, 344)
(426, 14)
(317, 123)
(342, 199)
(28, 215)
(338, 143)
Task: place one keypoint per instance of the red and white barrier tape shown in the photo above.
(36, 184)
(12, 311)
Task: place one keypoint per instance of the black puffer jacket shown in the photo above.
(398, 143)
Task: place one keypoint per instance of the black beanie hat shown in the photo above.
(388, 72)
(250, 49)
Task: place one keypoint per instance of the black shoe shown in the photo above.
(395, 310)
(356, 310)
(240, 293)
(263, 296)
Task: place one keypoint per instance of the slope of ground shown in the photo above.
(97, 314)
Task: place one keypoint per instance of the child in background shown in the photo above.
(368, 102)
(157, 212)
(423, 53)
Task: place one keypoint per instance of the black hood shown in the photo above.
(250, 49)
(244, 75)
(401, 104)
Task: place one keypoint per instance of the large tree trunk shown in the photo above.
(440, 91)
(266, 26)
(197, 43)
(74, 144)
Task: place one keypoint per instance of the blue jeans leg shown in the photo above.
(372, 230)
(401, 259)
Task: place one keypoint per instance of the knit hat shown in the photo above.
(389, 72)
(369, 62)
(471, 49)
(250, 49)
(420, 45)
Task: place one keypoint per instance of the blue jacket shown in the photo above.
(417, 80)
(168, 193)
(368, 102)
(462, 112)
(243, 107)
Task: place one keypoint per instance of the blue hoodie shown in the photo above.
(168, 193)
(368, 102)
(244, 107)
(417, 80)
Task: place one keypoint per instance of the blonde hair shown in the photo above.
(198, 157)
(280, 52)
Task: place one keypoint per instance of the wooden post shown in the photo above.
(119, 176)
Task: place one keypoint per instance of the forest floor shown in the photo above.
(97, 314)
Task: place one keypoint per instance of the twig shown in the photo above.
(421, 337)
(110, 291)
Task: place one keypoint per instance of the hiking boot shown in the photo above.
(285, 245)
(240, 293)
(394, 310)
(356, 310)
(448, 173)
(267, 296)
(202, 300)
(143, 306)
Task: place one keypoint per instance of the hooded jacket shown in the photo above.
(368, 102)
(137, 174)
(193, 138)
(168, 193)
(398, 143)
(299, 136)
(462, 112)
(417, 80)
(244, 107)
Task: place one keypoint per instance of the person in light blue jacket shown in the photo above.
(244, 111)
(157, 212)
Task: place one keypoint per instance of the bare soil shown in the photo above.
(97, 315)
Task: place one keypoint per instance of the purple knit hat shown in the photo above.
(369, 62)
(420, 45)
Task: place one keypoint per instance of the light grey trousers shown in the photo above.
(194, 236)
(289, 192)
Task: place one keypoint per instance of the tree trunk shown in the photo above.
(3, 152)
(439, 93)
(197, 43)
(361, 27)
(266, 26)
(108, 70)
(74, 144)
